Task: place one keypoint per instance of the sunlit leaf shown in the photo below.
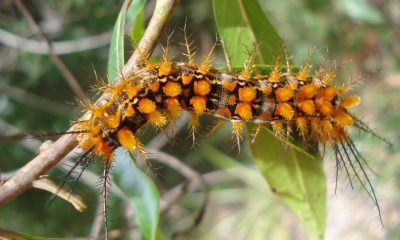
(242, 25)
(143, 194)
(48, 185)
(295, 176)
(137, 29)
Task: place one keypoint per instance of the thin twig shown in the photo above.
(59, 47)
(211, 178)
(49, 158)
(33, 100)
(191, 175)
(174, 163)
(97, 221)
(71, 80)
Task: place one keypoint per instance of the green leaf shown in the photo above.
(116, 54)
(242, 25)
(137, 29)
(142, 193)
(296, 175)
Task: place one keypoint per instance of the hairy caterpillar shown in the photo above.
(285, 99)
(283, 134)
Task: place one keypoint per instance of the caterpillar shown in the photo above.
(158, 93)
(285, 98)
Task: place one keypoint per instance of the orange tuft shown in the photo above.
(301, 124)
(151, 66)
(285, 110)
(340, 132)
(284, 94)
(328, 93)
(325, 108)
(130, 111)
(157, 119)
(293, 85)
(118, 89)
(350, 101)
(308, 107)
(316, 127)
(309, 90)
(245, 75)
(237, 130)
(277, 127)
(173, 106)
(186, 79)
(172, 89)
(198, 103)
(155, 86)
(224, 112)
(230, 86)
(343, 118)
(112, 121)
(127, 139)
(132, 91)
(95, 129)
(97, 112)
(275, 75)
(205, 66)
(244, 111)
(247, 94)
(231, 100)
(202, 87)
(102, 149)
(165, 68)
(266, 89)
(329, 76)
(327, 131)
(86, 141)
(303, 73)
(146, 106)
(345, 88)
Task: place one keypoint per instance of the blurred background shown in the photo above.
(362, 37)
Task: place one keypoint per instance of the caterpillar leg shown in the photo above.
(237, 130)
(193, 125)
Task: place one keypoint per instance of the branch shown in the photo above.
(49, 158)
(59, 47)
(33, 100)
(67, 74)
